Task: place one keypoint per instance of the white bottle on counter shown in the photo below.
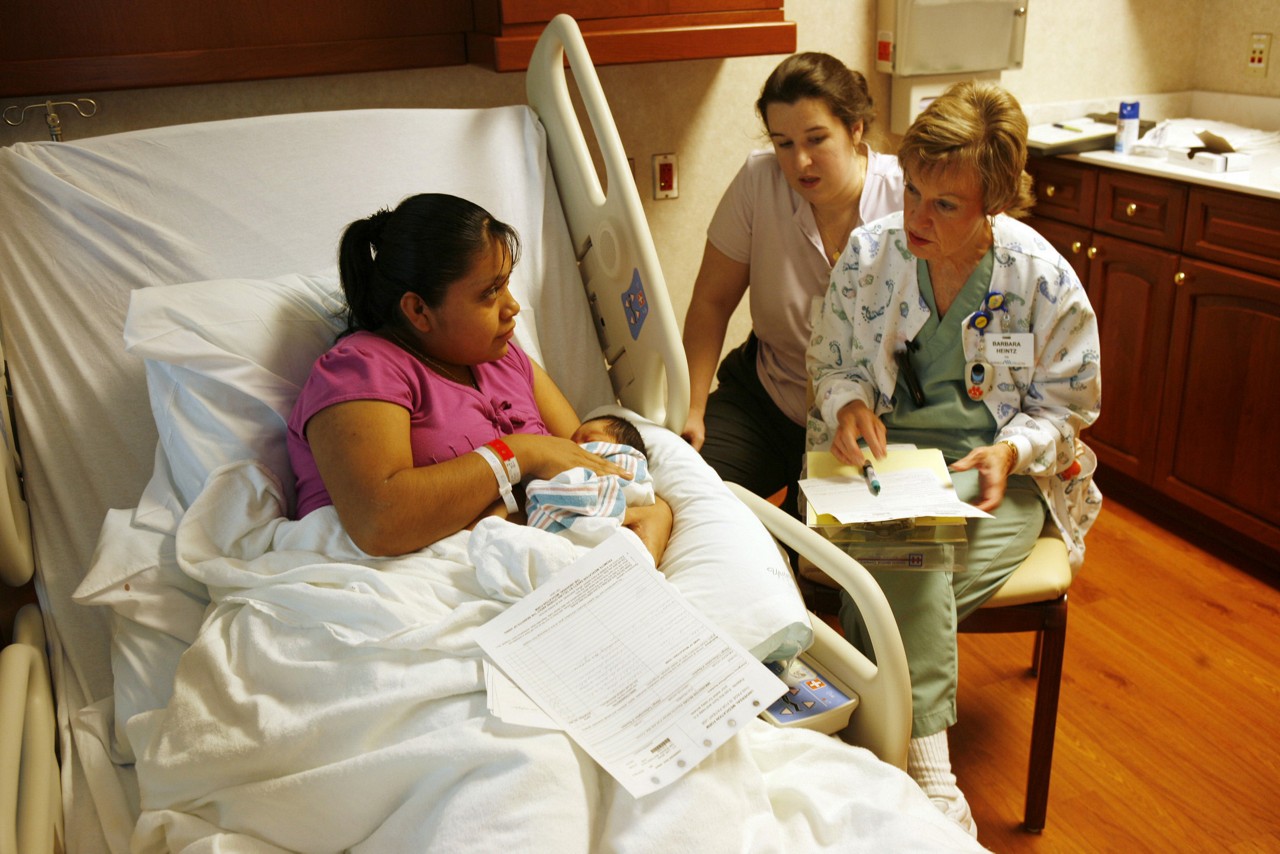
(1127, 127)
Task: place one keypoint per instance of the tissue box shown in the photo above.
(1227, 161)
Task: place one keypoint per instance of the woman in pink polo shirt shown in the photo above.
(778, 231)
(425, 414)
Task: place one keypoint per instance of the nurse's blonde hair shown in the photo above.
(977, 126)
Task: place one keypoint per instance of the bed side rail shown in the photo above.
(882, 722)
(638, 332)
(16, 558)
(30, 798)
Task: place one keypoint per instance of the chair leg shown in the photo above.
(1035, 654)
(1051, 645)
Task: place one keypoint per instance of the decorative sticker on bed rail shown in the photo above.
(635, 305)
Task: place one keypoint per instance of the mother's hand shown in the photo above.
(547, 456)
(652, 524)
(994, 464)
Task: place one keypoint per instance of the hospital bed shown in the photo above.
(162, 294)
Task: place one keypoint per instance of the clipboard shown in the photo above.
(1070, 136)
(914, 529)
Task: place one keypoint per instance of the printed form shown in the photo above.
(914, 482)
(612, 652)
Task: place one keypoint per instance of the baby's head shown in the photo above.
(612, 429)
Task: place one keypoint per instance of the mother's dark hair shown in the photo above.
(824, 78)
(427, 243)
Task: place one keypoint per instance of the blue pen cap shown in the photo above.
(1128, 109)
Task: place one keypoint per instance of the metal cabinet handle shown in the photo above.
(1076, 246)
(1179, 278)
(1131, 209)
(1049, 190)
(1092, 253)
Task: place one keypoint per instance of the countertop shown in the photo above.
(1262, 180)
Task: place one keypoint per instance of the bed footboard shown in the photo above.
(638, 332)
(882, 722)
(30, 799)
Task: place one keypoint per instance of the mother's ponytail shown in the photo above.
(427, 243)
(366, 303)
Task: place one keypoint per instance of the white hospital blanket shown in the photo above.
(332, 701)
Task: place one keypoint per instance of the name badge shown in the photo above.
(1010, 349)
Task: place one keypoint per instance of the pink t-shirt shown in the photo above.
(446, 419)
(764, 223)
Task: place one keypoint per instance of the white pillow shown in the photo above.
(720, 557)
(225, 361)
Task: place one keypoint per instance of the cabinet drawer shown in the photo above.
(1149, 210)
(1074, 242)
(1065, 190)
(1234, 229)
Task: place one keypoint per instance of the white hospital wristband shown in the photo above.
(500, 472)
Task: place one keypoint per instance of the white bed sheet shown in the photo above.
(336, 702)
(198, 212)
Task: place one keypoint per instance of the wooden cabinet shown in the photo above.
(1186, 284)
(1131, 287)
(639, 31)
(1218, 450)
(80, 46)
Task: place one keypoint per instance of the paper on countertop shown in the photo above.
(1182, 134)
(914, 482)
(637, 677)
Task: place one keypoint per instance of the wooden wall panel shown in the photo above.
(68, 46)
(641, 31)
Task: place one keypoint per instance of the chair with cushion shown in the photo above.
(1034, 599)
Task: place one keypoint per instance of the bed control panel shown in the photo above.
(813, 700)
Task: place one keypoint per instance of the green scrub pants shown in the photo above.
(929, 605)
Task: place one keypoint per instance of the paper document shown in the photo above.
(913, 483)
(617, 658)
(507, 702)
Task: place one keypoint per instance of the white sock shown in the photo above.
(929, 764)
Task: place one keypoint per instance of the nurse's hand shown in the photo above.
(857, 421)
(994, 463)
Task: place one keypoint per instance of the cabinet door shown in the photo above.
(1073, 242)
(1131, 288)
(1218, 446)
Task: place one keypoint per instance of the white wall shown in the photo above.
(702, 110)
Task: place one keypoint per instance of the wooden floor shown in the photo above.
(1168, 733)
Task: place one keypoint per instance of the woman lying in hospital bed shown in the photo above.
(428, 414)
(334, 700)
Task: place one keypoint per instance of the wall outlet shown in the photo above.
(1259, 54)
(666, 182)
